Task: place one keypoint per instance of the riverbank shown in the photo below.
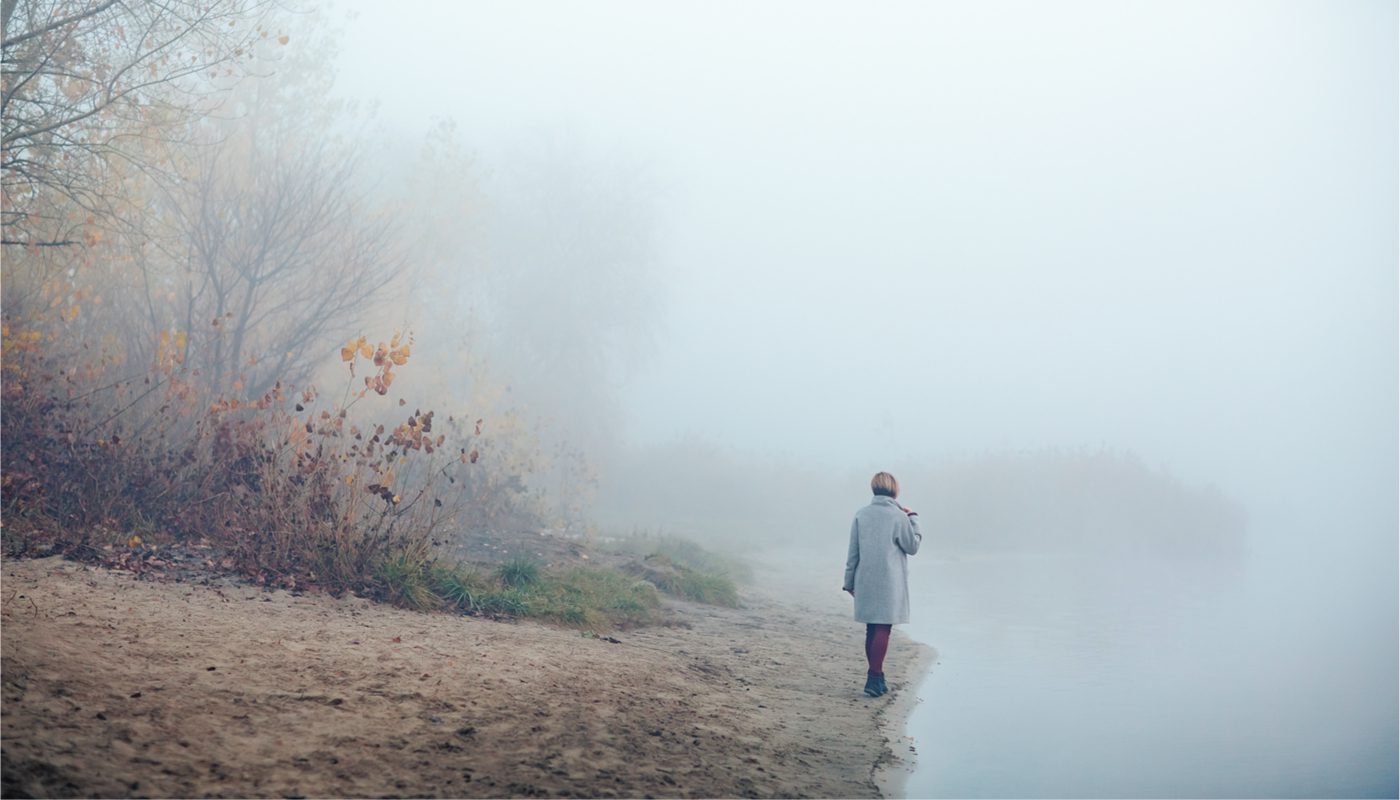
(115, 686)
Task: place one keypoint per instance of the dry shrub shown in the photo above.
(291, 487)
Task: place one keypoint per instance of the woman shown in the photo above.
(883, 536)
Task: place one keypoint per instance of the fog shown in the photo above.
(742, 255)
(1167, 229)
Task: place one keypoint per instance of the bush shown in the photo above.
(296, 491)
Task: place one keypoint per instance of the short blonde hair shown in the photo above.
(884, 484)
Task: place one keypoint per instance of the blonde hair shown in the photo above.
(884, 484)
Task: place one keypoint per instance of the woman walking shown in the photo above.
(883, 535)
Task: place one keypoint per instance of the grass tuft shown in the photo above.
(403, 580)
(518, 572)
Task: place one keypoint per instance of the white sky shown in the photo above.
(905, 229)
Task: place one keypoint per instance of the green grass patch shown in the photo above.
(685, 583)
(682, 568)
(702, 587)
(683, 553)
(592, 598)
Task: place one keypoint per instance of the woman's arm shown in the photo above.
(852, 558)
(907, 535)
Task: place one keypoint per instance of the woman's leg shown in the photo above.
(877, 642)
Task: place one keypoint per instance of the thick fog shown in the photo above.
(880, 234)
(815, 240)
(1163, 227)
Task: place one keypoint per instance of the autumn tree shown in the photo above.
(84, 80)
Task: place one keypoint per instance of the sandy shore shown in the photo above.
(115, 686)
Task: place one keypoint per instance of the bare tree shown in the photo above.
(82, 79)
(278, 257)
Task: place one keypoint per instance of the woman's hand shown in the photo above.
(908, 510)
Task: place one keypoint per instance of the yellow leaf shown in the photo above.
(347, 354)
(365, 350)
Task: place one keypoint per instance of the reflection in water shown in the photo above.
(1065, 676)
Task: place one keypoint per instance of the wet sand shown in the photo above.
(118, 686)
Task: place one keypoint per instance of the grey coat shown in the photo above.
(877, 567)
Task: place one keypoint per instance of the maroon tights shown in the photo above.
(877, 641)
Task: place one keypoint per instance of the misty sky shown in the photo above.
(891, 231)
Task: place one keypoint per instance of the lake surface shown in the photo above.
(1068, 676)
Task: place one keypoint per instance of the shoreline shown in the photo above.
(116, 686)
(892, 775)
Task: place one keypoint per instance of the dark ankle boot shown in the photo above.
(874, 685)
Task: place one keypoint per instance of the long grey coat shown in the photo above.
(877, 567)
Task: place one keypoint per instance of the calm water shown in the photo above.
(1064, 676)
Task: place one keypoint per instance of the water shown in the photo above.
(1069, 676)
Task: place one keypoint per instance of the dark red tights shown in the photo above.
(877, 641)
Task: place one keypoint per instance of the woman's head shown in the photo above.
(884, 484)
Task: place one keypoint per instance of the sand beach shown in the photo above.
(116, 685)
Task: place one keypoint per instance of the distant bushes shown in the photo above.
(1090, 501)
(1047, 500)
